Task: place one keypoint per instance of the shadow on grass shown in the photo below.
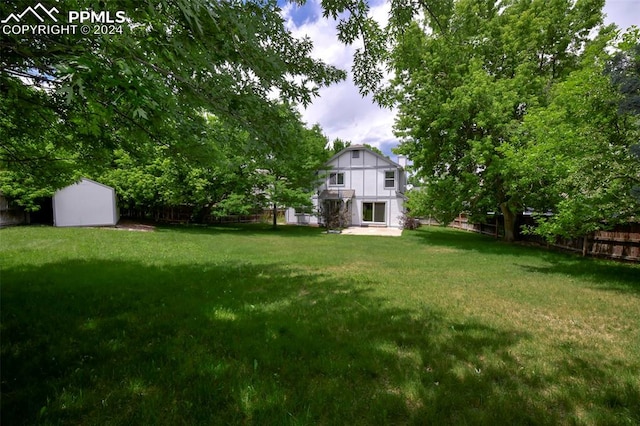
(97, 342)
(603, 274)
(462, 240)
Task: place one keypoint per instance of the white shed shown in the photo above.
(85, 203)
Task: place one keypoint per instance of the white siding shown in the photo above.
(371, 160)
(366, 176)
(294, 218)
(86, 203)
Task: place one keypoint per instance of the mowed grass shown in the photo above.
(245, 325)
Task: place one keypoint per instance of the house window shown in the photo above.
(355, 154)
(390, 179)
(373, 212)
(336, 179)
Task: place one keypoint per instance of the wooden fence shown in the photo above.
(492, 226)
(11, 214)
(620, 243)
(617, 245)
(185, 214)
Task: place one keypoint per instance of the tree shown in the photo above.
(624, 71)
(289, 173)
(237, 182)
(573, 156)
(466, 77)
(148, 86)
(35, 157)
(338, 145)
(437, 200)
(166, 179)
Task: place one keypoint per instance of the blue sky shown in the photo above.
(307, 12)
(340, 109)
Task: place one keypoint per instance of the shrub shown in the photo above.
(409, 222)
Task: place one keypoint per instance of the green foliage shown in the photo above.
(466, 78)
(440, 200)
(287, 175)
(218, 178)
(31, 139)
(624, 71)
(338, 145)
(162, 181)
(202, 178)
(148, 88)
(576, 158)
(374, 149)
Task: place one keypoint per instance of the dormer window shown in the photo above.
(355, 154)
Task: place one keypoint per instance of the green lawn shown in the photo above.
(244, 325)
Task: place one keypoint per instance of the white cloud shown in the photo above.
(340, 109)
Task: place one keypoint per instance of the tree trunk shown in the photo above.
(275, 215)
(509, 223)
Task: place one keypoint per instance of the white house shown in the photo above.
(367, 186)
(85, 203)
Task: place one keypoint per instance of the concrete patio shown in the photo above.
(372, 230)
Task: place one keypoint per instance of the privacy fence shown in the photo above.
(621, 243)
(10, 214)
(186, 214)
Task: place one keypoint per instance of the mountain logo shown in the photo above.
(39, 11)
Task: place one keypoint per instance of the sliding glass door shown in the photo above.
(373, 212)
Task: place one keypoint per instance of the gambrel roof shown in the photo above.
(364, 148)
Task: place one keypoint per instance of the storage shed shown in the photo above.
(85, 203)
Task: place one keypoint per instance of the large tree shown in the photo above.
(228, 176)
(219, 180)
(574, 157)
(288, 174)
(147, 86)
(466, 76)
(624, 71)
